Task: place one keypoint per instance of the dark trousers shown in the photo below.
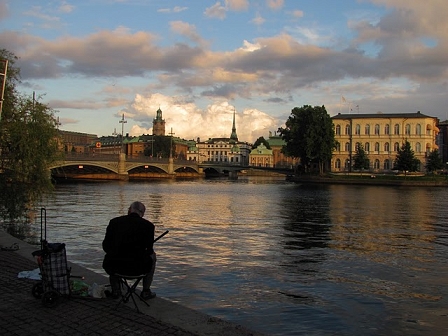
(115, 283)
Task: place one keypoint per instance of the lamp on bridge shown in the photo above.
(122, 122)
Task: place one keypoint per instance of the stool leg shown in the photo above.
(130, 292)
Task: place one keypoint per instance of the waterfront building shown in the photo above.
(76, 142)
(261, 157)
(381, 135)
(221, 150)
(280, 160)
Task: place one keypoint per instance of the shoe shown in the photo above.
(112, 295)
(147, 294)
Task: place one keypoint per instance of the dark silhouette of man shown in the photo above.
(128, 244)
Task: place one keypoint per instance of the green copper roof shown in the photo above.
(261, 150)
(275, 141)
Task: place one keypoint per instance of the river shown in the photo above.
(277, 257)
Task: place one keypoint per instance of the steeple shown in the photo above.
(233, 136)
(158, 124)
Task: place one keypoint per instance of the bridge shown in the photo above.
(122, 167)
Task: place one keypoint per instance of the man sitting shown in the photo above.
(128, 244)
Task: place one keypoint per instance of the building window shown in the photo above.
(386, 129)
(338, 129)
(358, 129)
(367, 129)
(418, 129)
(386, 147)
(418, 147)
(376, 164)
(377, 146)
(396, 147)
(407, 129)
(397, 129)
(367, 147)
(338, 164)
(386, 164)
(338, 147)
(347, 146)
(377, 129)
(347, 129)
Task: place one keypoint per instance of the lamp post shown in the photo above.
(122, 122)
(152, 146)
(171, 143)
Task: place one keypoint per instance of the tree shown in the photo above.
(161, 147)
(29, 144)
(259, 141)
(434, 161)
(309, 135)
(360, 159)
(405, 159)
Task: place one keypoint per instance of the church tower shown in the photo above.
(233, 136)
(158, 124)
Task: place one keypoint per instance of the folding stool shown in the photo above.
(130, 289)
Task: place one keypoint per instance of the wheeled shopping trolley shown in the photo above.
(55, 274)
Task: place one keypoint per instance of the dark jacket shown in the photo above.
(128, 245)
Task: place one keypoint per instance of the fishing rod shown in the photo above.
(161, 235)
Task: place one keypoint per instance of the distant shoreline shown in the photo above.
(367, 179)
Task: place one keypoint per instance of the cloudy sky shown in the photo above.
(200, 61)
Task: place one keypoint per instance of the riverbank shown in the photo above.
(367, 179)
(22, 314)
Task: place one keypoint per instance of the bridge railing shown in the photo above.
(90, 157)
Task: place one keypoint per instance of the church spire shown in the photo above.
(233, 136)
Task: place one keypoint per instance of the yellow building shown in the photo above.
(381, 135)
(261, 157)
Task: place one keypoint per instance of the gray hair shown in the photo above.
(138, 208)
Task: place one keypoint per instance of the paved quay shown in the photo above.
(22, 314)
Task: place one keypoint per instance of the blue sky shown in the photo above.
(200, 61)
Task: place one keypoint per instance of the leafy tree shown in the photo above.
(360, 159)
(434, 161)
(405, 159)
(309, 135)
(160, 147)
(29, 144)
(259, 141)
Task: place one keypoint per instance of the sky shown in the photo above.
(202, 62)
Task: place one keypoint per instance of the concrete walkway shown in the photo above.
(22, 314)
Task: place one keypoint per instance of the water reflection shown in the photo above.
(277, 257)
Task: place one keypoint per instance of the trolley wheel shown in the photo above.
(37, 290)
(50, 299)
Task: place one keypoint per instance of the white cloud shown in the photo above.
(275, 4)
(216, 11)
(190, 122)
(237, 5)
(258, 20)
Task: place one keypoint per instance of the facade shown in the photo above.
(221, 150)
(381, 135)
(280, 160)
(158, 124)
(76, 141)
(261, 157)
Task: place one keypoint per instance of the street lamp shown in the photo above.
(122, 122)
(171, 143)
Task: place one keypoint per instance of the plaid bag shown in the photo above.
(54, 270)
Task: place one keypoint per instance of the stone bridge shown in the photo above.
(121, 167)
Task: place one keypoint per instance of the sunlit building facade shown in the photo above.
(381, 135)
